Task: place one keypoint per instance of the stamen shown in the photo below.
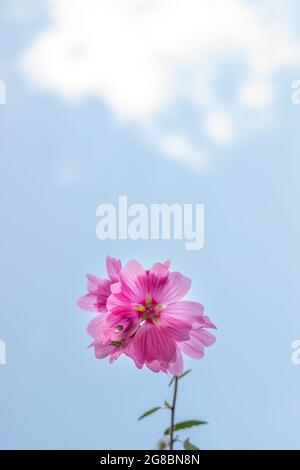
(149, 310)
(154, 318)
(118, 329)
(140, 308)
(144, 316)
(118, 343)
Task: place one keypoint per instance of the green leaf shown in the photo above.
(167, 405)
(185, 373)
(187, 445)
(184, 425)
(149, 412)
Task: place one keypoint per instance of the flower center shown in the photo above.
(149, 310)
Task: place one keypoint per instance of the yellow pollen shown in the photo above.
(140, 308)
(149, 310)
(144, 316)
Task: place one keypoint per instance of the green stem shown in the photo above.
(173, 413)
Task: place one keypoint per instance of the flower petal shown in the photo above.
(90, 302)
(150, 343)
(118, 302)
(174, 289)
(193, 311)
(113, 268)
(157, 278)
(206, 338)
(134, 282)
(178, 328)
(94, 328)
(100, 288)
(208, 323)
(194, 347)
(157, 366)
(116, 288)
(95, 283)
(104, 350)
(115, 355)
(176, 368)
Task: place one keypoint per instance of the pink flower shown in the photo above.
(100, 289)
(147, 320)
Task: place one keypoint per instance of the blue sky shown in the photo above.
(60, 158)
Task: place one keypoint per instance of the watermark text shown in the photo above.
(156, 222)
(2, 92)
(2, 353)
(296, 92)
(295, 357)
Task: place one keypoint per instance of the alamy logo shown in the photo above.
(159, 221)
(295, 358)
(296, 92)
(2, 353)
(2, 92)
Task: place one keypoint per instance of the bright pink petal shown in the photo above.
(115, 355)
(90, 303)
(207, 323)
(192, 348)
(134, 282)
(104, 350)
(99, 288)
(130, 352)
(150, 343)
(95, 283)
(116, 288)
(157, 366)
(199, 339)
(206, 338)
(159, 270)
(119, 302)
(176, 368)
(174, 289)
(113, 267)
(157, 278)
(94, 328)
(193, 311)
(177, 328)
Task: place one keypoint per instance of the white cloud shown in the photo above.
(147, 58)
(256, 94)
(177, 147)
(220, 127)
